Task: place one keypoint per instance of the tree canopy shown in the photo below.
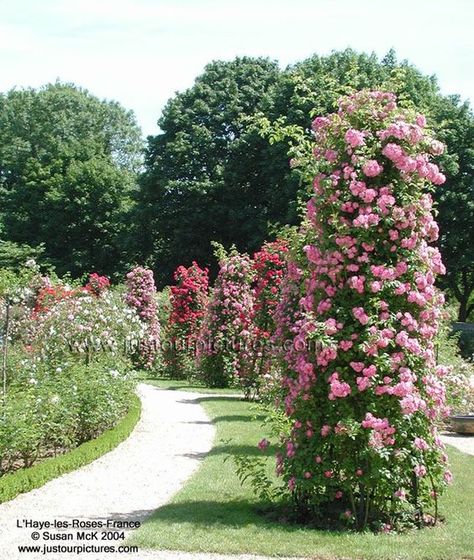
(76, 180)
(68, 164)
(206, 175)
(455, 125)
(209, 174)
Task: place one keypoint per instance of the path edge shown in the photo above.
(25, 480)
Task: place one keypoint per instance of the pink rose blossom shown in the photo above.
(419, 470)
(448, 477)
(372, 168)
(325, 430)
(354, 138)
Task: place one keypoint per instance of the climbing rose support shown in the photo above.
(360, 385)
(140, 295)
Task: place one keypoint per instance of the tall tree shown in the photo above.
(206, 176)
(454, 122)
(68, 165)
(210, 176)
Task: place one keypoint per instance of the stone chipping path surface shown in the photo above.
(461, 442)
(127, 484)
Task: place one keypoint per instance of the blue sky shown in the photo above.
(140, 52)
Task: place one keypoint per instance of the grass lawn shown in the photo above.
(213, 513)
(185, 385)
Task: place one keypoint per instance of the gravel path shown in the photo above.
(463, 443)
(171, 555)
(127, 484)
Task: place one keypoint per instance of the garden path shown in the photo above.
(463, 443)
(127, 484)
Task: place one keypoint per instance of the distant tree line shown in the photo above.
(80, 187)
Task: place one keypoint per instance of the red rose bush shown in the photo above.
(188, 300)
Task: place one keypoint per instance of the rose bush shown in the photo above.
(50, 410)
(188, 300)
(459, 378)
(360, 383)
(68, 374)
(268, 267)
(86, 325)
(141, 294)
(97, 284)
(223, 346)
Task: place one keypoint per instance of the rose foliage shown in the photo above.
(360, 386)
(188, 300)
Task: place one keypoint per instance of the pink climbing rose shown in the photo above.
(354, 138)
(372, 168)
(358, 316)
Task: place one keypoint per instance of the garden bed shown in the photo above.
(24, 480)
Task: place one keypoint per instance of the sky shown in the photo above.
(140, 52)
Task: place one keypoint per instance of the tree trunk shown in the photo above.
(463, 294)
(462, 314)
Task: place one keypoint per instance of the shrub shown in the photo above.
(141, 292)
(86, 325)
(225, 334)
(360, 383)
(24, 480)
(268, 266)
(459, 378)
(97, 284)
(50, 410)
(68, 371)
(188, 300)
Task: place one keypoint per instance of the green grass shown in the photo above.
(25, 480)
(213, 513)
(193, 386)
